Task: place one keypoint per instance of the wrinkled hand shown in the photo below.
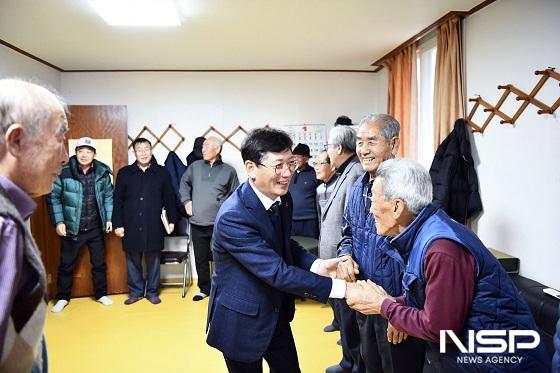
(328, 267)
(61, 229)
(369, 299)
(353, 290)
(109, 227)
(395, 336)
(188, 208)
(119, 232)
(347, 269)
(171, 227)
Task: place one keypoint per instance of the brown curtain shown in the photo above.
(448, 88)
(400, 101)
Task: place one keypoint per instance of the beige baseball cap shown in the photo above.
(86, 141)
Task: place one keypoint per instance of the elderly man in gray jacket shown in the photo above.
(341, 150)
(205, 185)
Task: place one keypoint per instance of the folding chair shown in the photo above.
(183, 229)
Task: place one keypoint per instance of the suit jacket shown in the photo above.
(331, 215)
(255, 276)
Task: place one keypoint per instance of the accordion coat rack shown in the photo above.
(494, 110)
(179, 138)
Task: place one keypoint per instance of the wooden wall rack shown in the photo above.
(520, 96)
(171, 128)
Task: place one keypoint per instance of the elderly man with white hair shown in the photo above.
(452, 283)
(205, 185)
(365, 257)
(341, 150)
(32, 129)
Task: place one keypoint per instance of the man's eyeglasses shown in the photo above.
(279, 168)
(327, 146)
(315, 164)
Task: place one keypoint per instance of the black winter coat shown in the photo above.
(138, 201)
(176, 169)
(196, 153)
(453, 176)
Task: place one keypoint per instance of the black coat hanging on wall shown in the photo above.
(454, 177)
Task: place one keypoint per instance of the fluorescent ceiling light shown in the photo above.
(137, 12)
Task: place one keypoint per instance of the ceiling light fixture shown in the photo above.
(161, 13)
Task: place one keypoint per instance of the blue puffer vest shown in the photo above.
(496, 305)
(378, 261)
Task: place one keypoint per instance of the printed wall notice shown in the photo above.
(313, 135)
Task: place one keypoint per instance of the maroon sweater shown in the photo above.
(450, 272)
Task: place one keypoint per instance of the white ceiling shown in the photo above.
(223, 34)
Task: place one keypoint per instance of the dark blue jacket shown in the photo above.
(176, 169)
(556, 359)
(378, 261)
(454, 176)
(139, 199)
(496, 304)
(303, 188)
(255, 276)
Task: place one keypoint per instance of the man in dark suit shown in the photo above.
(258, 268)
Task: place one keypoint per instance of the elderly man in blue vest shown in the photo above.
(381, 345)
(455, 292)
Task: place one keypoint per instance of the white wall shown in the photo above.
(518, 165)
(194, 101)
(14, 64)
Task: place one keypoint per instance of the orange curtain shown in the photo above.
(401, 97)
(448, 87)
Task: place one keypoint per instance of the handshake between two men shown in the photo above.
(365, 297)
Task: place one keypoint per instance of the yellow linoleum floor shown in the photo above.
(89, 337)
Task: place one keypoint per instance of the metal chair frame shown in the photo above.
(180, 257)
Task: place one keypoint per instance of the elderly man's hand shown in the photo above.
(61, 229)
(347, 269)
(395, 336)
(328, 267)
(369, 299)
(354, 291)
(119, 232)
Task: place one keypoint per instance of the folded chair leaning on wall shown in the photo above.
(172, 256)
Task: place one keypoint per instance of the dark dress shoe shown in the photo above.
(330, 328)
(132, 300)
(154, 300)
(336, 369)
(200, 296)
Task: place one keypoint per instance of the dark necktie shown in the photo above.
(274, 210)
(275, 218)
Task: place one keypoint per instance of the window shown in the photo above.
(425, 77)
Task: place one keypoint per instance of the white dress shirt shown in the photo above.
(338, 289)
